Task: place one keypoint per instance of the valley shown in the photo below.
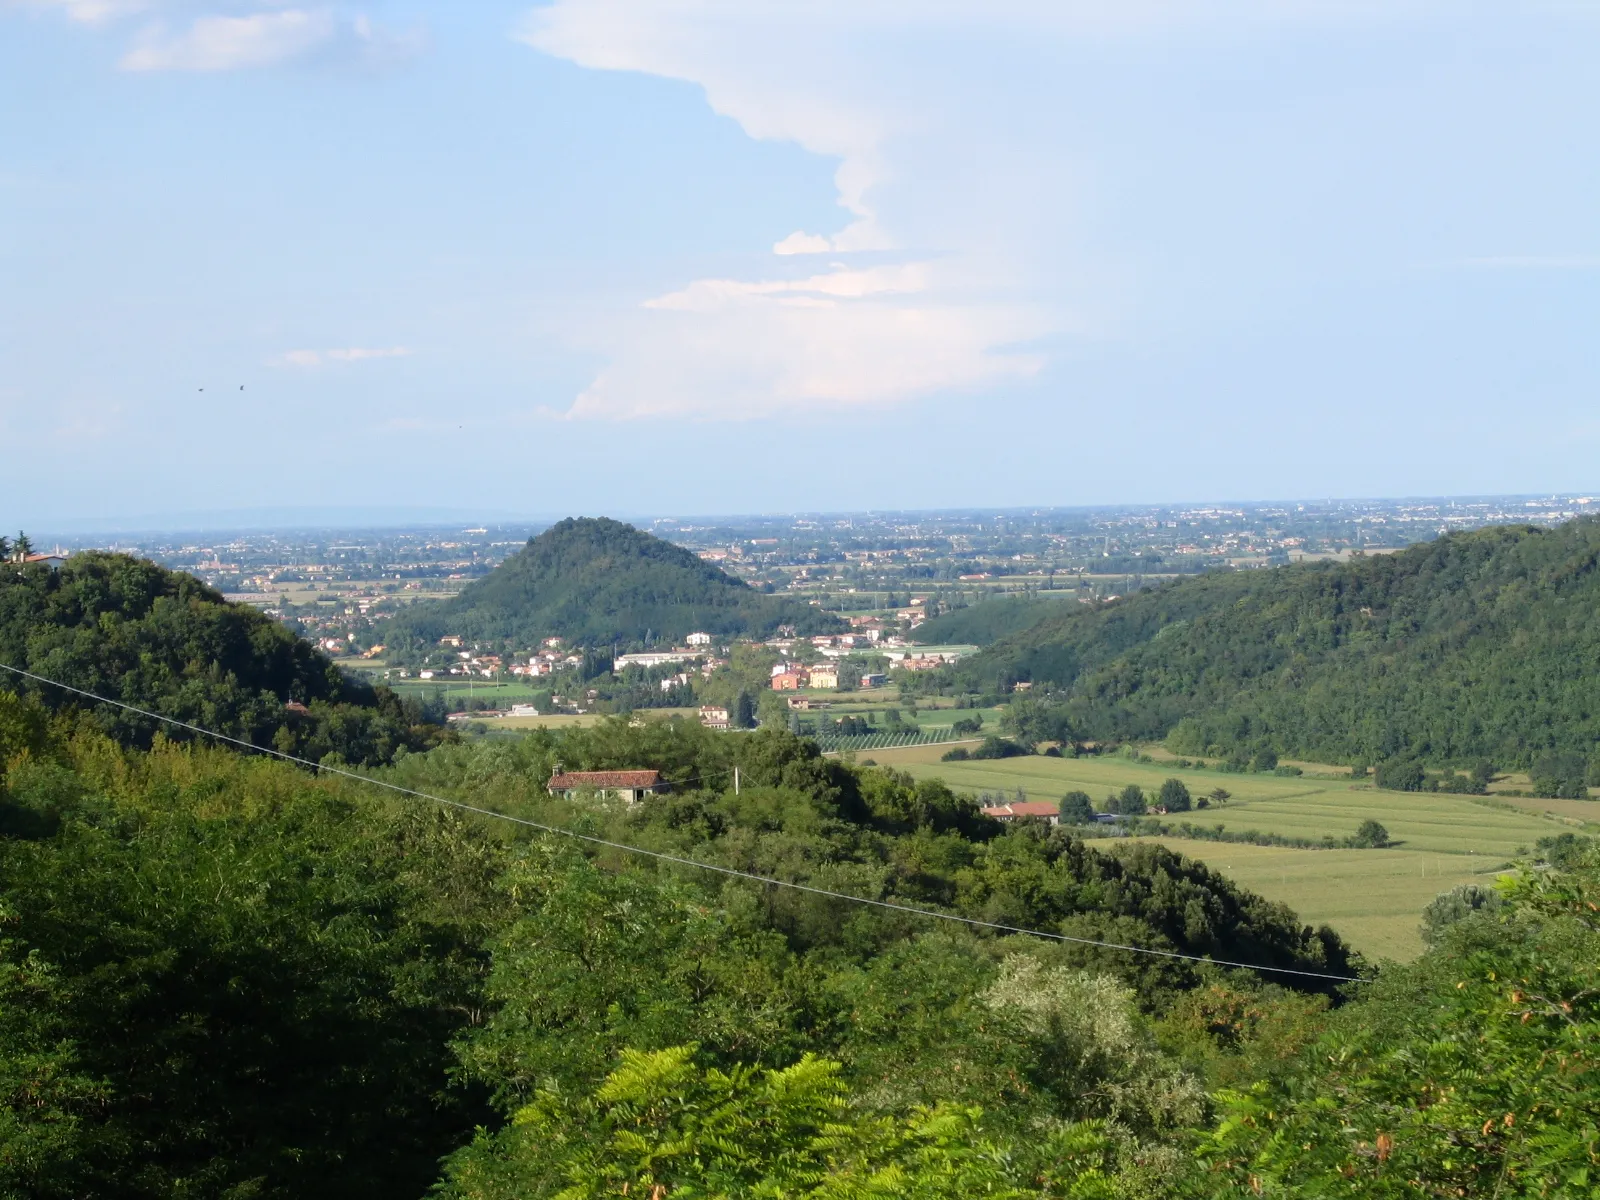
(1372, 897)
(797, 839)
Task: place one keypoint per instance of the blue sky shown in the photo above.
(726, 256)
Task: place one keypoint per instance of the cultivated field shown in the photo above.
(571, 720)
(1373, 897)
(457, 689)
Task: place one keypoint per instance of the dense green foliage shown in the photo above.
(988, 621)
(1475, 646)
(127, 629)
(662, 1125)
(219, 978)
(595, 581)
(223, 977)
(1473, 1072)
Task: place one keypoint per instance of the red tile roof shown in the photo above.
(605, 779)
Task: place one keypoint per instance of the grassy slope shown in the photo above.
(1372, 897)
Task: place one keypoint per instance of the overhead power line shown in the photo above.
(675, 859)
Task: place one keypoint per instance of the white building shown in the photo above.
(698, 639)
(652, 659)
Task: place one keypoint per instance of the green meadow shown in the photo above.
(1372, 897)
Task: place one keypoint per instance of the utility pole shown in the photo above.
(736, 781)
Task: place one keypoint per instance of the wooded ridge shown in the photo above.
(1477, 645)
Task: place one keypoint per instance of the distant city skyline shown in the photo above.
(1467, 511)
(728, 257)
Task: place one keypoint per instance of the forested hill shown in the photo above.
(988, 621)
(1476, 645)
(161, 640)
(594, 581)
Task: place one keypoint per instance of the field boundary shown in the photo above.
(928, 735)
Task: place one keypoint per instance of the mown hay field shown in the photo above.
(1372, 897)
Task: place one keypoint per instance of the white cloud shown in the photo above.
(230, 43)
(190, 35)
(856, 335)
(733, 349)
(92, 12)
(964, 148)
(316, 358)
(800, 242)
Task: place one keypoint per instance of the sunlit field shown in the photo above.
(1373, 897)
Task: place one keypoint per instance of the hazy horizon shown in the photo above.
(355, 519)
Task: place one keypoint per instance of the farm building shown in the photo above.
(631, 786)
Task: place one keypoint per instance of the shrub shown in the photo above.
(1370, 836)
(959, 754)
(1565, 851)
(1265, 760)
(997, 747)
(1455, 905)
(1400, 776)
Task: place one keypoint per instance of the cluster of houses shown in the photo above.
(547, 660)
(862, 636)
(553, 656)
(792, 676)
(550, 658)
(696, 649)
(914, 659)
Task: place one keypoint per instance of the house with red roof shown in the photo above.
(1047, 809)
(631, 786)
